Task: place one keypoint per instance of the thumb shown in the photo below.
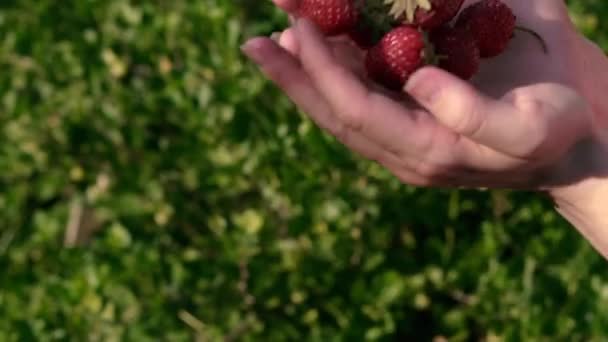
(460, 107)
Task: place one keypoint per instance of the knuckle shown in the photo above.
(428, 142)
(529, 106)
(428, 170)
(411, 178)
(424, 182)
(354, 116)
(381, 157)
(537, 141)
(470, 121)
(354, 120)
(425, 144)
(342, 133)
(277, 70)
(537, 116)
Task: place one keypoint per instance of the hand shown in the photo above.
(528, 120)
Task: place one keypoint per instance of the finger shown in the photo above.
(289, 6)
(381, 119)
(460, 107)
(414, 171)
(288, 41)
(463, 175)
(419, 173)
(285, 71)
(343, 49)
(410, 177)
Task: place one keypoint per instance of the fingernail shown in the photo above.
(253, 49)
(275, 36)
(424, 88)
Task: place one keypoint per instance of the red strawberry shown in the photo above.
(441, 12)
(334, 17)
(492, 23)
(457, 50)
(396, 57)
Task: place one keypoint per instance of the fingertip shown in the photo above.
(427, 73)
(289, 6)
(257, 48)
(289, 41)
(306, 27)
(313, 48)
(426, 84)
(276, 36)
(420, 74)
(252, 46)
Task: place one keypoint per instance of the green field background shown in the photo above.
(207, 208)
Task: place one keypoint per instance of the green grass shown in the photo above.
(219, 211)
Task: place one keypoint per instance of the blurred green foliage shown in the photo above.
(220, 212)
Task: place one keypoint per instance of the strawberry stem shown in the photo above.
(543, 43)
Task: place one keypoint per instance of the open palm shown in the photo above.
(515, 125)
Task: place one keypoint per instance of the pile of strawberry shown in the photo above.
(400, 36)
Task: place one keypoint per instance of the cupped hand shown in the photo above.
(523, 122)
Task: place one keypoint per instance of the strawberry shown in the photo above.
(396, 57)
(457, 51)
(441, 12)
(492, 23)
(333, 17)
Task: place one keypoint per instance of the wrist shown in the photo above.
(584, 202)
(589, 222)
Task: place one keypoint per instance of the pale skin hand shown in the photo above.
(529, 120)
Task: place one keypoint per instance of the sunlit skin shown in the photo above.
(529, 119)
